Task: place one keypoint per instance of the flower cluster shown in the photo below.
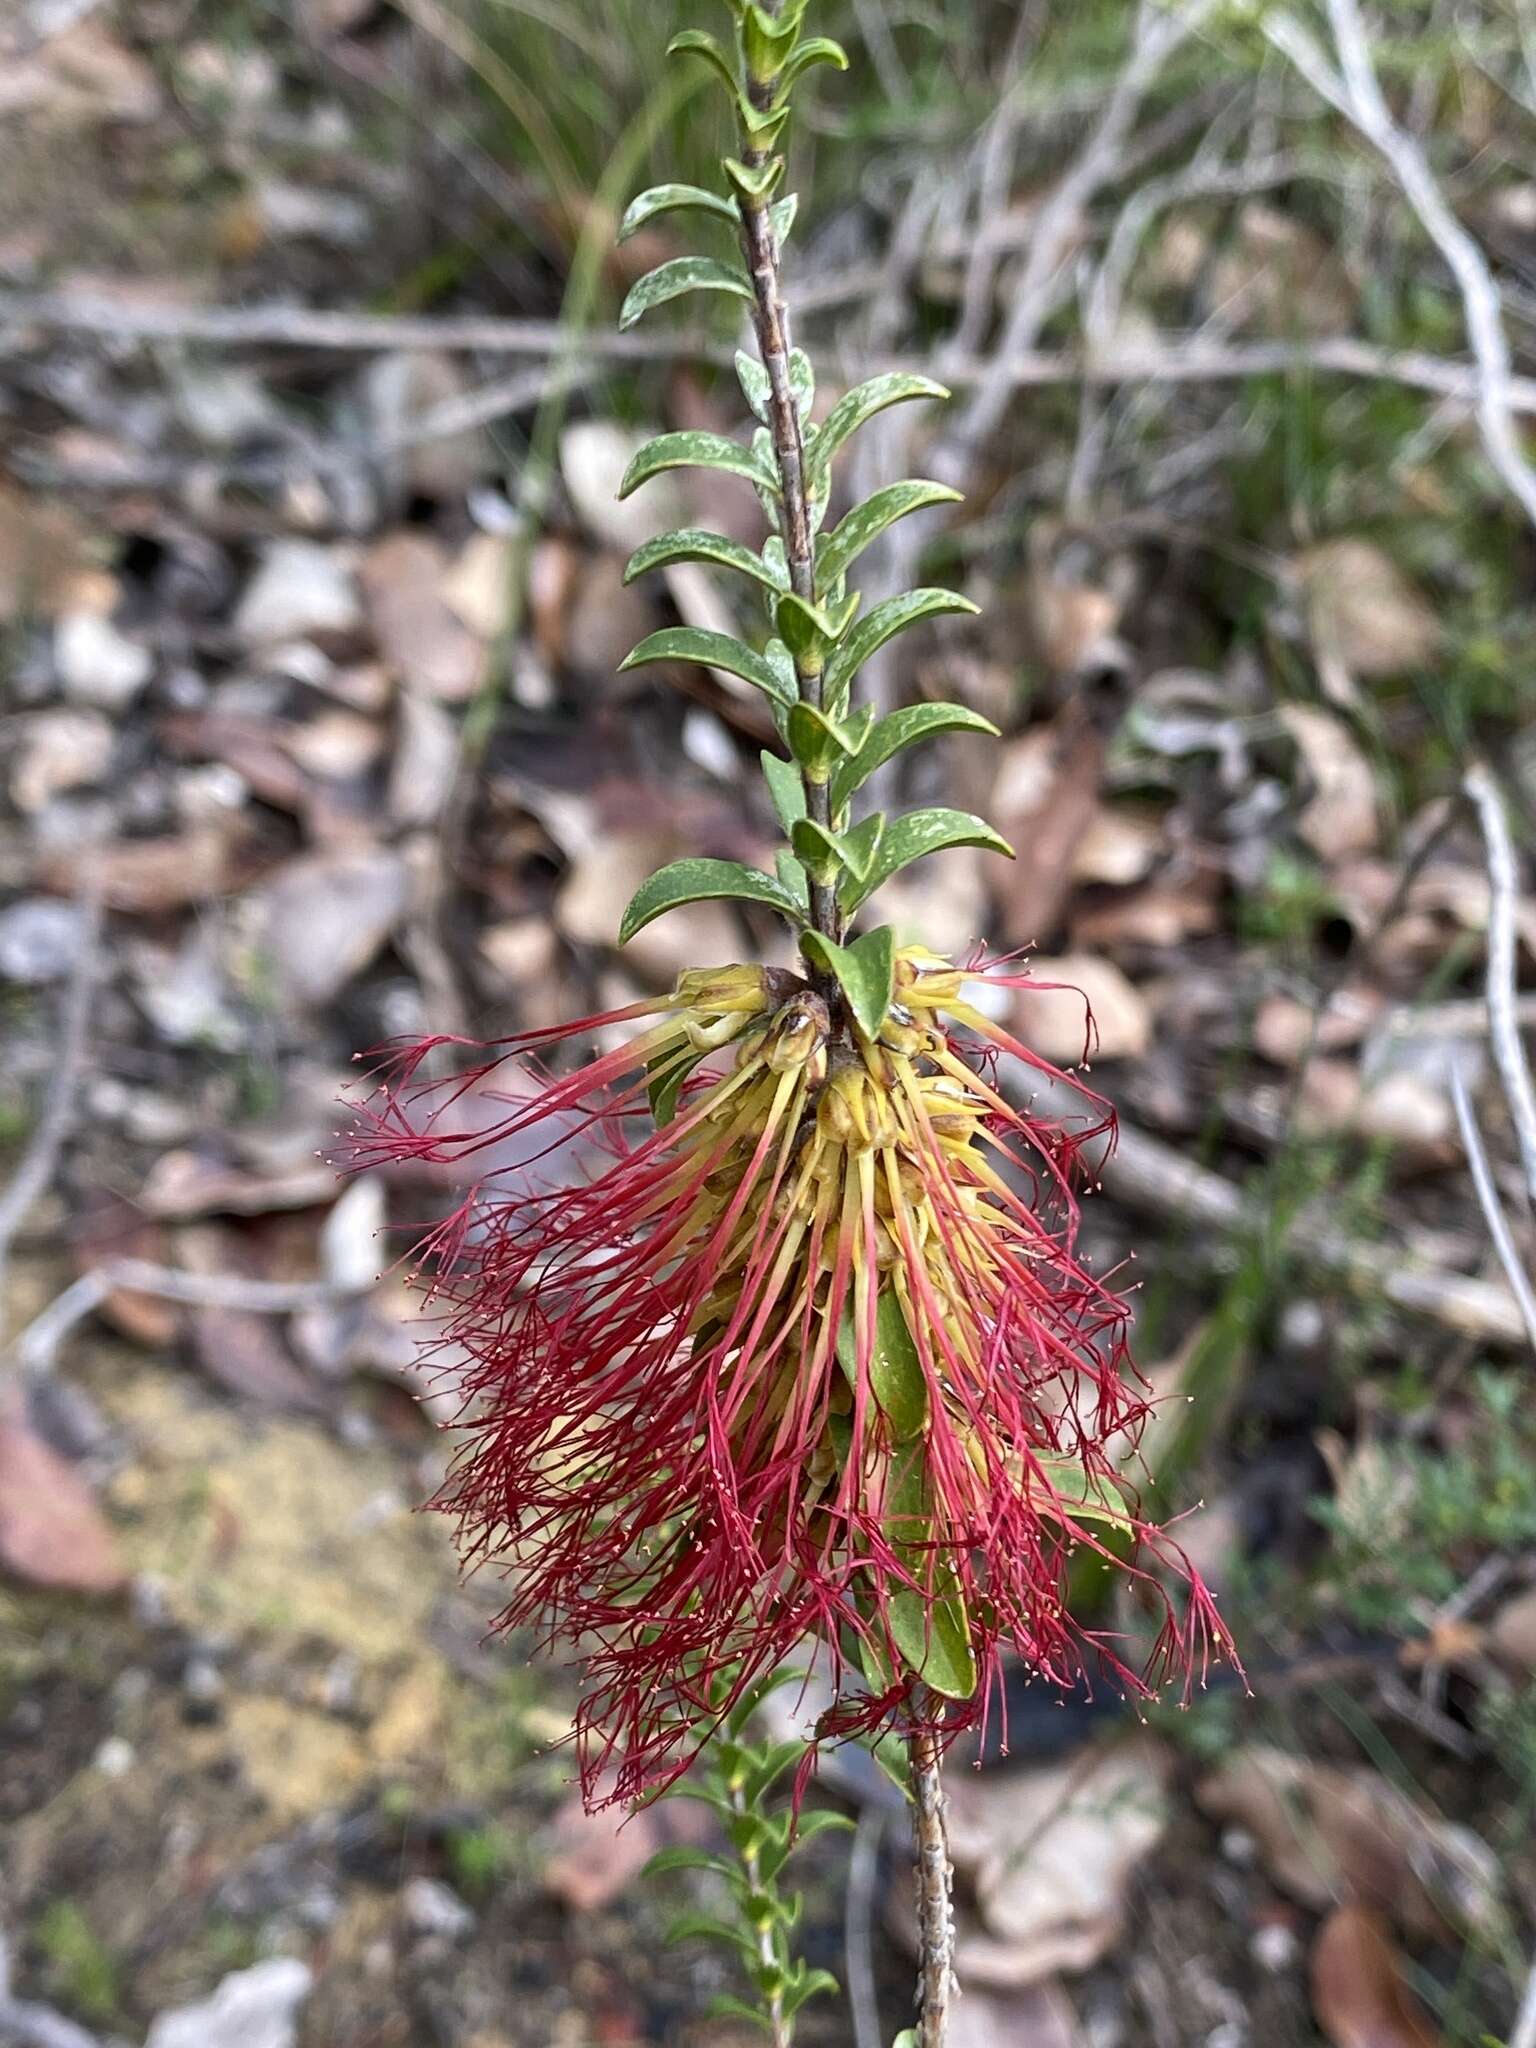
(776, 1337)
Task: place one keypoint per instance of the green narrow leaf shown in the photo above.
(819, 851)
(692, 449)
(696, 42)
(816, 741)
(865, 972)
(802, 382)
(815, 50)
(697, 544)
(782, 216)
(702, 881)
(681, 1857)
(754, 183)
(712, 650)
(756, 388)
(786, 789)
(792, 879)
(861, 404)
(895, 1371)
(673, 199)
(919, 832)
(704, 1927)
(664, 1083)
(725, 2005)
(682, 274)
(899, 729)
(839, 549)
(861, 843)
(882, 624)
(928, 1621)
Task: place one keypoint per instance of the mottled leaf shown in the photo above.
(697, 544)
(861, 404)
(786, 789)
(919, 832)
(700, 881)
(882, 624)
(867, 521)
(713, 650)
(672, 280)
(672, 199)
(897, 730)
(693, 449)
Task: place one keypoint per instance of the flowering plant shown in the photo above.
(777, 1343)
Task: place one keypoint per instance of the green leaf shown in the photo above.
(682, 274)
(919, 832)
(782, 217)
(691, 448)
(861, 404)
(867, 521)
(786, 789)
(816, 741)
(760, 1689)
(703, 881)
(774, 1764)
(805, 630)
(756, 388)
(865, 972)
(713, 650)
(704, 1927)
(819, 851)
(695, 42)
(895, 1371)
(673, 199)
(861, 843)
(815, 50)
(792, 879)
(753, 182)
(907, 2038)
(807, 1984)
(927, 1621)
(725, 2005)
(882, 624)
(802, 382)
(899, 729)
(664, 1083)
(681, 1857)
(697, 544)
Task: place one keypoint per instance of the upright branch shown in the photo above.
(932, 1876)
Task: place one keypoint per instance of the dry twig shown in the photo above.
(1502, 985)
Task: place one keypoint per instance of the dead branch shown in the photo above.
(1354, 91)
(35, 1349)
(1502, 984)
(1489, 1202)
(1157, 1180)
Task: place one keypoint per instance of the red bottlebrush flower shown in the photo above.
(800, 1349)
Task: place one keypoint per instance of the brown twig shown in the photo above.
(1502, 984)
(933, 1876)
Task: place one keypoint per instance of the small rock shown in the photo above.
(40, 940)
(225, 407)
(432, 1909)
(97, 665)
(114, 1758)
(299, 588)
(349, 1248)
(1275, 1946)
(202, 1690)
(289, 213)
(255, 2008)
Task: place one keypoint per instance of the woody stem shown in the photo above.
(770, 319)
(935, 1909)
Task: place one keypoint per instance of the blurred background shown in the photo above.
(312, 409)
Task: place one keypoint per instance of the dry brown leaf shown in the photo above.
(43, 548)
(1036, 2016)
(1328, 1834)
(147, 876)
(326, 917)
(1512, 1633)
(1049, 1855)
(1054, 1020)
(184, 1184)
(1358, 1993)
(1365, 618)
(245, 1354)
(1161, 916)
(1340, 816)
(1074, 600)
(404, 579)
(55, 751)
(1118, 847)
(1286, 1030)
(1044, 800)
(52, 1533)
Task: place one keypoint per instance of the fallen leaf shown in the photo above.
(115, 1228)
(398, 389)
(1512, 1633)
(326, 917)
(1044, 801)
(1074, 599)
(148, 876)
(1364, 617)
(1161, 916)
(1078, 1007)
(1340, 816)
(52, 1533)
(1358, 1993)
(1037, 2016)
(184, 1184)
(245, 1355)
(43, 546)
(301, 589)
(1327, 1835)
(1286, 1030)
(1118, 847)
(55, 751)
(426, 643)
(1048, 1855)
